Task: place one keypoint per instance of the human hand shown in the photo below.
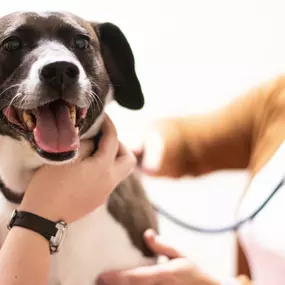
(177, 271)
(161, 149)
(69, 192)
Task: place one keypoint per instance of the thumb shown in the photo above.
(125, 162)
(159, 246)
(85, 150)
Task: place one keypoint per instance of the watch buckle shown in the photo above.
(12, 219)
(57, 240)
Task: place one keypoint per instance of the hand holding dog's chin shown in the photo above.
(69, 192)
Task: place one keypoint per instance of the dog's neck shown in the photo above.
(18, 161)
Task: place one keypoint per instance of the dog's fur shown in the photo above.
(112, 236)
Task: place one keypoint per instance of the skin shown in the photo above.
(177, 271)
(55, 192)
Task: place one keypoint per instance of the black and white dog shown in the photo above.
(57, 73)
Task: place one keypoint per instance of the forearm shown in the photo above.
(24, 258)
(211, 144)
(197, 145)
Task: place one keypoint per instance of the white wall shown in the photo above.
(192, 57)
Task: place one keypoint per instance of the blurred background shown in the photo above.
(191, 57)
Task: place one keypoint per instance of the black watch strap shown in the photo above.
(33, 222)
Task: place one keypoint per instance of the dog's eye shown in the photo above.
(82, 42)
(12, 44)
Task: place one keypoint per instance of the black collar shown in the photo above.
(10, 195)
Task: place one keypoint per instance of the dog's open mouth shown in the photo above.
(53, 129)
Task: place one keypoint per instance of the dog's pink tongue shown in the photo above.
(54, 131)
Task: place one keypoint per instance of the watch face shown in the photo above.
(57, 240)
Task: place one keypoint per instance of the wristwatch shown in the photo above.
(53, 232)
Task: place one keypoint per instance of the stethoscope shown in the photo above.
(232, 227)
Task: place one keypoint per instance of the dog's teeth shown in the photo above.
(30, 124)
(26, 116)
(28, 119)
(72, 111)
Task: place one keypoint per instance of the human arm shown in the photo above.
(243, 134)
(24, 258)
(56, 193)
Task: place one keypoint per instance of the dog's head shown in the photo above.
(56, 71)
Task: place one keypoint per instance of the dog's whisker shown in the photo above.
(95, 84)
(16, 96)
(8, 88)
(23, 101)
(96, 100)
(89, 100)
(96, 97)
(93, 104)
(93, 100)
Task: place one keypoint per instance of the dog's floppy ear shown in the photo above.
(120, 65)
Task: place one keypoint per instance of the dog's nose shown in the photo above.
(59, 75)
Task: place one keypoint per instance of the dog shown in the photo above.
(57, 74)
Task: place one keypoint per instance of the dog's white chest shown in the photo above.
(95, 244)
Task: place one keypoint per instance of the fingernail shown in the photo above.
(151, 232)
